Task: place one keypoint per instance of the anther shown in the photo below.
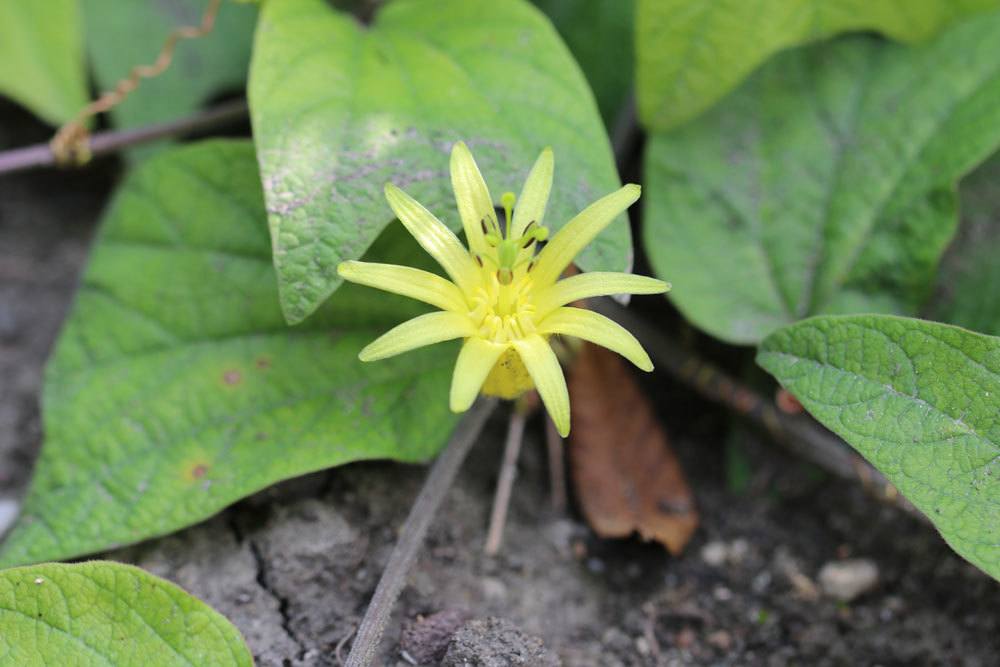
(479, 260)
(482, 223)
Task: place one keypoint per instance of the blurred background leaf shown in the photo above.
(690, 53)
(968, 292)
(102, 613)
(176, 388)
(600, 35)
(825, 184)
(395, 95)
(41, 57)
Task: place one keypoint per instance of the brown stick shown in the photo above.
(411, 535)
(799, 434)
(555, 447)
(40, 155)
(505, 482)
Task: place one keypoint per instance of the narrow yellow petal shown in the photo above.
(418, 332)
(475, 361)
(586, 285)
(434, 237)
(543, 366)
(597, 329)
(534, 195)
(578, 232)
(471, 195)
(407, 281)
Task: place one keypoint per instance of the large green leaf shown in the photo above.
(825, 184)
(920, 400)
(176, 387)
(340, 108)
(122, 35)
(599, 33)
(41, 57)
(99, 613)
(690, 53)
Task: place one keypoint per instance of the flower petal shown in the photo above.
(434, 237)
(407, 281)
(475, 361)
(597, 329)
(471, 195)
(578, 232)
(534, 195)
(543, 366)
(418, 332)
(586, 285)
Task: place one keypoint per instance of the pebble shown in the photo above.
(845, 580)
(8, 512)
(714, 553)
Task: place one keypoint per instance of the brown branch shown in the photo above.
(799, 434)
(103, 143)
(411, 535)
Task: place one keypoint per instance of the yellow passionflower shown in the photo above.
(503, 299)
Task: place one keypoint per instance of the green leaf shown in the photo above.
(690, 53)
(122, 35)
(600, 35)
(919, 400)
(100, 613)
(339, 109)
(41, 57)
(968, 292)
(825, 184)
(176, 388)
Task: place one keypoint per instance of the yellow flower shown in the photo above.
(503, 299)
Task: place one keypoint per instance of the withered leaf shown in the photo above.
(625, 474)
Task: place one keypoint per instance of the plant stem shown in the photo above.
(411, 535)
(799, 434)
(505, 483)
(103, 143)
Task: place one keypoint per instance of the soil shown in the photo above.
(294, 566)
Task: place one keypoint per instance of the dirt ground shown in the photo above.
(294, 567)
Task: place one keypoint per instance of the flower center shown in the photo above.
(503, 312)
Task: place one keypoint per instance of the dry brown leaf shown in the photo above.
(626, 476)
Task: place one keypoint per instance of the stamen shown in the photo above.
(482, 223)
(479, 260)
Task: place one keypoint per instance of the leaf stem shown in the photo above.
(103, 143)
(411, 535)
(800, 434)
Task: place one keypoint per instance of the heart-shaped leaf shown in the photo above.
(122, 35)
(340, 108)
(99, 613)
(176, 387)
(690, 53)
(825, 184)
(41, 57)
(918, 399)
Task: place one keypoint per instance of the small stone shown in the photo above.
(722, 594)
(425, 639)
(685, 638)
(739, 549)
(845, 580)
(714, 553)
(8, 512)
(496, 642)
